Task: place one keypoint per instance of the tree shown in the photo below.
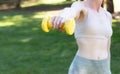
(18, 4)
(9, 4)
(110, 6)
(68, 0)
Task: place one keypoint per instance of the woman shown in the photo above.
(93, 35)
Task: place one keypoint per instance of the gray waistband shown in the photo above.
(91, 60)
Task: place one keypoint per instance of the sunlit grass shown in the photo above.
(39, 14)
(115, 21)
(26, 40)
(2, 24)
(33, 3)
(18, 18)
(10, 21)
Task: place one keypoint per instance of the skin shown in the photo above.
(57, 21)
(93, 4)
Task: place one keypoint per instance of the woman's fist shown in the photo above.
(57, 22)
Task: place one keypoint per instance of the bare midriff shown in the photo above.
(92, 48)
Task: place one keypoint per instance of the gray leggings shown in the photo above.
(81, 65)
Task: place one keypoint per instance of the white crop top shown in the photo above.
(95, 24)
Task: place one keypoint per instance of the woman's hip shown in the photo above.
(81, 65)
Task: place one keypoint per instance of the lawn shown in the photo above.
(26, 49)
(39, 2)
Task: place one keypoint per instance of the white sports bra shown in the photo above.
(94, 25)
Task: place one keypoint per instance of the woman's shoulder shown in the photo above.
(108, 14)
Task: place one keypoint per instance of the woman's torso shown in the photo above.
(93, 33)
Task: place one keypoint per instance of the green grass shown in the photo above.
(115, 47)
(26, 49)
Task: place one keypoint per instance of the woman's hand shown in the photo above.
(57, 22)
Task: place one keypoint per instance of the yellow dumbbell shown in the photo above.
(68, 26)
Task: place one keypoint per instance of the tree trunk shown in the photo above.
(18, 4)
(110, 6)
